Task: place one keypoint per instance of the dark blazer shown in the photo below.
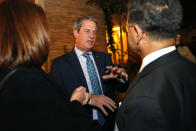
(31, 100)
(162, 97)
(69, 75)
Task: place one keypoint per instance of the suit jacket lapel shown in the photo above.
(77, 69)
(98, 63)
(165, 59)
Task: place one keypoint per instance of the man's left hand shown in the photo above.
(115, 72)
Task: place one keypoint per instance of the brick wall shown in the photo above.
(61, 15)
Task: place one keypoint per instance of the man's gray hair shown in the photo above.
(78, 22)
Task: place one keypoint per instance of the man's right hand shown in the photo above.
(100, 101)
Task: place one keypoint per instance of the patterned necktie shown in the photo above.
(94, 83)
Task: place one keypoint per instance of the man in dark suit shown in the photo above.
(162, 97)
(93, 70)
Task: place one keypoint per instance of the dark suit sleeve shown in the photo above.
(143, 114)
(109, 60)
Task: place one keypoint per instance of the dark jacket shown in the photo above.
(68, 73)
(31, 100)
(162, 97)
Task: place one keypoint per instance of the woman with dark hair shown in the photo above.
(29, 98)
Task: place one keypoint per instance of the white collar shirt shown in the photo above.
(155, 55)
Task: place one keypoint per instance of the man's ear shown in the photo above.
(139, 32)
(75, 32)
(177, 40)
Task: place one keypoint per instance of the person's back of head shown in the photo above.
(160, 19)
(23, 34)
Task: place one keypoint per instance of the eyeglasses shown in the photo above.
(127, 26)
(130, 25)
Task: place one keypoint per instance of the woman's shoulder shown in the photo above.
(29, 74)
(32, 82)
(28, 78)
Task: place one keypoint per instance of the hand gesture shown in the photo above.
(80, 95)
(100, 100)
(115, 72)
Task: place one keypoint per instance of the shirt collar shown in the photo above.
(79, 52)
(155, 55)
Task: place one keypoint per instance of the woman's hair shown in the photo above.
(24, 35)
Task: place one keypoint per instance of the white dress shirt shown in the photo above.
(155, 55)
(82, 61)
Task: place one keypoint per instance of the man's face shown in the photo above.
(85, 38)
